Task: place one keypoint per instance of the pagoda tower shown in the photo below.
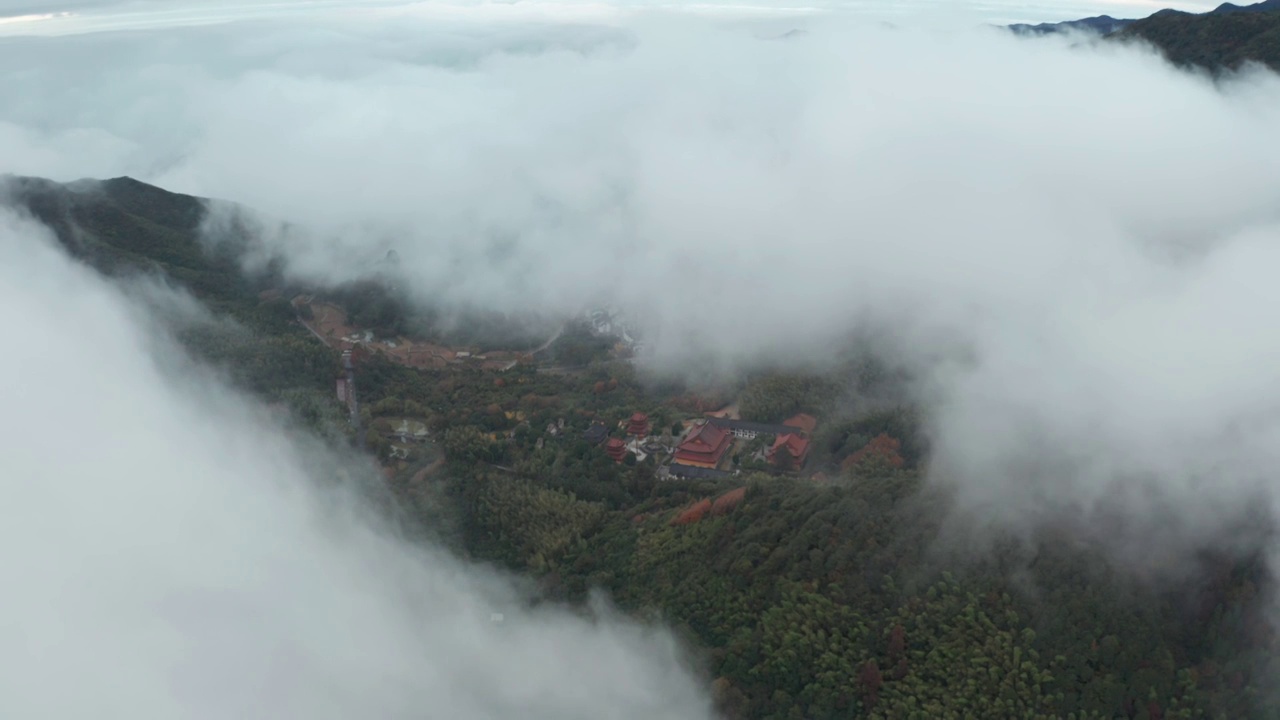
(639, 425)
(616, 449)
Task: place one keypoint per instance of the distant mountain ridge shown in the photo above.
(1264, 6)
(1105, 24)
(1223, 40)
(1101, 24)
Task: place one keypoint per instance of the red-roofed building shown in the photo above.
(794, 445)
(806, 423)
(704, 447)
(616, 449)
(639, 425)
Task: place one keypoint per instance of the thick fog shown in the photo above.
(167, 555)
(74, 16)
(1072, 242)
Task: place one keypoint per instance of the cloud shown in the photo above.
(1091, 228)
(94, 15)
(180, 556)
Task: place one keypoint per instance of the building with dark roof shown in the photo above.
(595, 434)
(653, 446)
(749, 430)
(806, 423)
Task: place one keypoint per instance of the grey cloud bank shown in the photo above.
(1060, 212)
(77, 16)
(178, 559)
(1093, 229)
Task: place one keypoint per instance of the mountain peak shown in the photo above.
(1264, 6)
(1106, 25)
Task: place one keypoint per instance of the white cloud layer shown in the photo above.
(1093, 228)
(169, 554)
(78, 16)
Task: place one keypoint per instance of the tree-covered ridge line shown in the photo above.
(126, 229)
(1212, 41)
(1221, 40)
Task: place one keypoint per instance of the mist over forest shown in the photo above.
(973, 326)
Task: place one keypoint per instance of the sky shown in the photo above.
(68, 16)
(1069, 242)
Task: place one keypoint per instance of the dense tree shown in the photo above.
(531, 525)
(775, 397)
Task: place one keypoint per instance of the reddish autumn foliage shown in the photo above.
(696, 512)
(700, 403)
(539, 402)
(598, 388)
(728, 501)
(870, 679)
(897, 642)
(499, 383)
(881, 447)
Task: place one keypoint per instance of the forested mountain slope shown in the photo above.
(826, 602)
(835, 591)
(1224, 38)
(834, 594)
(1101, 24)
(1214, 41)
(1105, 24)
(130, 230)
